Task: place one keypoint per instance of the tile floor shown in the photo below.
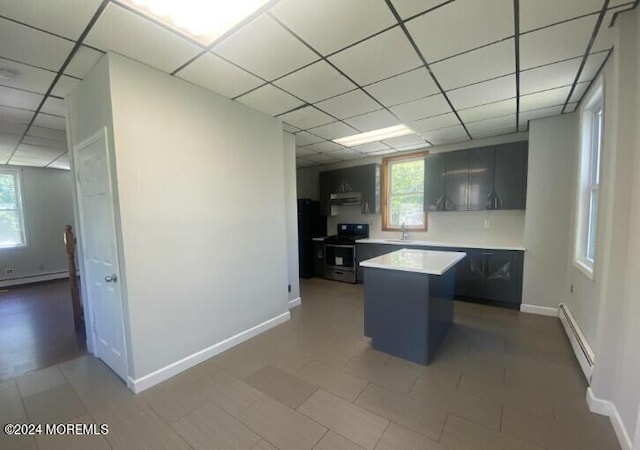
(502, 380)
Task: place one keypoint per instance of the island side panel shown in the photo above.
(396, 308)
(440, 313)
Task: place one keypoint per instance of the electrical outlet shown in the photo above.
(487, 223)
(289, 287)
(571, 289)
(8, 271)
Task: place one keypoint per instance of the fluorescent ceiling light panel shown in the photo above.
(202, 20)
(375, 135)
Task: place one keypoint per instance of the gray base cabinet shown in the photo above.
(487, 276)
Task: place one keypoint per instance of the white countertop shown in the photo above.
(432, 262)
(318, 239)
(456, 244)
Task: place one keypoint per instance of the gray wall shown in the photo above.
(202, 210)
(48, 207)
(549, 215)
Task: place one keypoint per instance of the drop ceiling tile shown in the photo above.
(64, 86)
(31, 46)
(488, 62)
(48, 133)
(55, 106)
(346, 154)
(409, 8)
(307, 117)
(549, 77)
(300, 152)
(334, 130)
(552, 97)
(42, 142)
(15, 114)
(304, 138)
(28, 162)
(330, 25)
(351, 104)
(506, 124)
(405, 141)
(455, 28)
(404, 88)
(83, 61)
(579, 91)
(606, 37)
(316, 82)
(15, 98)
(12, 129)
(371, 147)
(490, 110)
(541, 13)
(7, 145)
(27, 151)
(571, 107)
(482, 93)
(533, 114)
(214, 73)
(383, 152)
(321, 159)
(324, 147)
(131, 35)
(290, 128)
(373, 120)
(27, 77)
(449, 135)
(434, 123)
(593, 64)
(270, 99)
(362, 62)
(422, 108)
(556, 43)
(66, 18)
(61, 163)
(49, 121)
(265, 49)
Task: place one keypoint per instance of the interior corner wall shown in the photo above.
(548, 218)
(47, 207)
(291, 207)
(202, 208)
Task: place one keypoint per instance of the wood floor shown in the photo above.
(36, 328)
(502, 380)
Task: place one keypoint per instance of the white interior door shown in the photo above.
(100, 261)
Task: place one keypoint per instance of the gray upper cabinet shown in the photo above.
(511, 175)
(434, 173)
(481, 175)
(364, 180)
(456, 181)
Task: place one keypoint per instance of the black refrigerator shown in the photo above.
(310, 224)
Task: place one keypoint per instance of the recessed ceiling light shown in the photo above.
(7, 74)
(375, 135)
(203, 20)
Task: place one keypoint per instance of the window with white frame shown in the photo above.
(592, 123)
(11, 217)
(403, 193)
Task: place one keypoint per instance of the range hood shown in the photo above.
(345, 199)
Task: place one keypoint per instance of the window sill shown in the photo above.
(585, 268)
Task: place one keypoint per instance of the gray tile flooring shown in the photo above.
(501, 380)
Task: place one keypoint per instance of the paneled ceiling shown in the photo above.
(450, 70)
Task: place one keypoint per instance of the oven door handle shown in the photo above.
(338, 246)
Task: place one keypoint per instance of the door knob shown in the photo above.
(111, 278)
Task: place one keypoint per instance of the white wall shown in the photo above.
(202, 205)
(47, 207)
(506, 227)
(291, 207)
(549, 215)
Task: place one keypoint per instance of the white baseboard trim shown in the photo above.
(145, 382)
(34, 279)
(541, 310)
(577, 339)
(607, 408)
(295, 302)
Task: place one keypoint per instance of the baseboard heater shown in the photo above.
(578, 341)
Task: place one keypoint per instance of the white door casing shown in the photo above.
(99, 251)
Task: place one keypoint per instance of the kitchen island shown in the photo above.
(408, 301)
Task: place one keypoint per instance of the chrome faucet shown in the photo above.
(405, 233)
